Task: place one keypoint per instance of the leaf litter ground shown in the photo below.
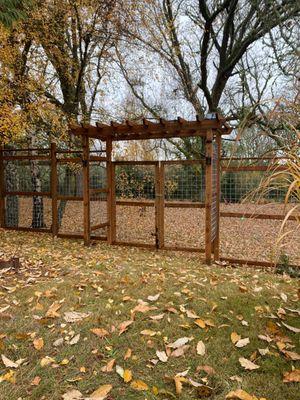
(124, 323)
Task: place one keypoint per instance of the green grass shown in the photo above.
(96, 279)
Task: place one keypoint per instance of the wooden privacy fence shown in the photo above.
(189, 205)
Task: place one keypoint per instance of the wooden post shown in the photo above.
(86, 190)
(216, 246)
(208, 196)
(2, 190)
(159, 205)
(111, 196)
(54, 183)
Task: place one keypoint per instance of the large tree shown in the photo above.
(203, 45)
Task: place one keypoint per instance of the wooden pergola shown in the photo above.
(210, 129)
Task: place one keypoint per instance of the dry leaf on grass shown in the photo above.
(74, 339)
(240, 395)
(139, 385)
(291, 328)
(9, 363)
(247, 364)
(73, 395)
(148, 332)
(109, 366)
(242, 343)
(162, 356)
(38, 343)
(292, 376)
(36, 381)
(10, 377)
(200, 348)
(100, 332)
(154, 298)
(74, 316)
(52, 310)
(101, 393)
(124, 326)
(235, 337)
(179, 342)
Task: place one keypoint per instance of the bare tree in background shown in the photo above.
(202, 43)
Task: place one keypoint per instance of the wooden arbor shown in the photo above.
(210, 128)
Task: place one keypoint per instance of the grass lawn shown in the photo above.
(212, 309)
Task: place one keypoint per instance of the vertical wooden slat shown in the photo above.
(86, 191)
(208, 196)
(159, 205)
(111, 197)
(216, 245)
(54, 184)
(2, 190)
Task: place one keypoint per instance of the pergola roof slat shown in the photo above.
(152, 130)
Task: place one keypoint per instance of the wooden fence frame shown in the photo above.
(211, 135)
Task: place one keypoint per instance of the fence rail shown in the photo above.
(144, 203)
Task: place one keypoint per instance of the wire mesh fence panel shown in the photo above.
(70, 192)
(98, 200)
(253, 239)
(27, 176)
(28, 212)
(184, 186)
(135, 223)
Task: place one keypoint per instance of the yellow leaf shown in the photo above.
(128, 354)
(240, 395)
(148, 332)
(127, 376)
(109, 366)
(200, 323)
(235, 337)
(10, 377)
(100, 332)
(38, 343)
(139, 385)
(101, 393)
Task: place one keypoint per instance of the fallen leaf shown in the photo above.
(242, 342)
(235, 337)
(179, 342)
(162, 356)
(124, 326)
(154, 298)
(148, 332)
(120, 371)
(73, 395)
(206, 368)
(36, 381)
(46, 361)
(200, 348)
(200, 323)
(73, 316)
(291, 355)
(38, 343)
(128, 354)
(139, 385)
(240, 395)
(291, 328)
(247, 364)
(8, 363)
(100, 332)
(10, 377)
(180, 351)
(157, 317)
(109, 366)
(75, 339)
(292, 376)
(101, 393)
(127, 376)
(52, 310)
